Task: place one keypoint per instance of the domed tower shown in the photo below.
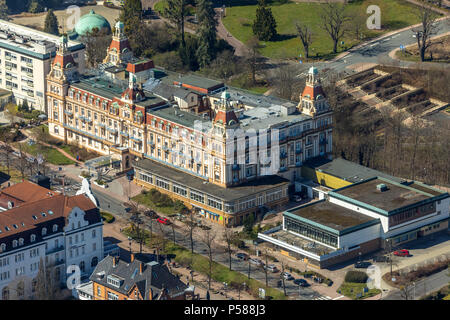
(119, 51)
(62, 71)
(63, 67)
(312, 100)
(225, 117)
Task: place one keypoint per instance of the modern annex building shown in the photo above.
(226, 153)
(360, 218)
(37, 224)
(25, 59)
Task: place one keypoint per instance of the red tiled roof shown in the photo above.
(120, 45)
(225, 116)
(63, 60)
(138, 67)
(313, 92)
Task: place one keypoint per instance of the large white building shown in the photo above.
(25, 58)
(361, 218)
(37, 224)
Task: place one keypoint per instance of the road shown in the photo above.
(378, 51)
(112, 205)
(423, 287)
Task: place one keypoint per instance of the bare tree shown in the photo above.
(208, 238)
(426, 29)
(334, 18)
(191, 226)
(253, 57)
(285, 81)
(21, 163)
(229, 235)
(282, 277)
(96, 44)
(305, 34)
(136, 222)
(405, 291)
(6, 155)
(46, 283)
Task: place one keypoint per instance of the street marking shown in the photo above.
(340, 297)
(323, 298)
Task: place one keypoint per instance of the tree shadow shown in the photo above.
(283, 37)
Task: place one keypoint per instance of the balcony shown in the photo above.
(8, 77)
(69, 113)
(236, 167)
(8, 58)
(123, 133)
(29, 64)
(30, 93)
(297, 151)
(54, 250)
(29, 74)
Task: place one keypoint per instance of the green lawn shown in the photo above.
(51, 155)
(350, 289)
(395, 14)
(145, 200)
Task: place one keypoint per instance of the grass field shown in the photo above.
(51, 155)
(145, 200)
(350, 289)
(440, 49)
(395, 14)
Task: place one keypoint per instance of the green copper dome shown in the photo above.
(90, 21)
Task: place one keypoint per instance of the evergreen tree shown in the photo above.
(3, 10)
(176, 13)
(36, 6)
(51, 23)
(131, 16)
(188, 53)
(264, 25)
(207, 32)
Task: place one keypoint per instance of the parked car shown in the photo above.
(301, 282)
(381, 259)
(362, 264)
(256, 261)
(242, 256)
(287, 276)
(271, 267)
(163, 220)
(151, 214)
(401, 253)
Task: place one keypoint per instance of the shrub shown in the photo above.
(107, 217)
(356, 277)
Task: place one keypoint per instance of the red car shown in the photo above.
(401, 253)
(163, 220)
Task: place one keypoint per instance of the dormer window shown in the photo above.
(43, 214)
(55, 227)
(33, 238)
(2, 247)
(34, 218)
(21, 242)
(44, 231)
(14, 243)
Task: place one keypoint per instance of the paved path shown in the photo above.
(222, 32)
(423, 287)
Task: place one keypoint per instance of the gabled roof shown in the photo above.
(153, 280)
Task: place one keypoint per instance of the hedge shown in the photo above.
(356, 277)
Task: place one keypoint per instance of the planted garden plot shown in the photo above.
(392, 92)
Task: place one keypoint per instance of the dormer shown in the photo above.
(312, 99)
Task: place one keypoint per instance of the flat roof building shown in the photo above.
(361, 218)
(25, 56)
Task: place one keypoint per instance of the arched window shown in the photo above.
(20, 289)
(2, 247)
(44, 231)
(21, 242)
(33, 238)
(55, 227)
(94, 261)
(5, 293)
(14, 243)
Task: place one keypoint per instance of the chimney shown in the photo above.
(115, 262)
(132, 257)
(141, 267)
